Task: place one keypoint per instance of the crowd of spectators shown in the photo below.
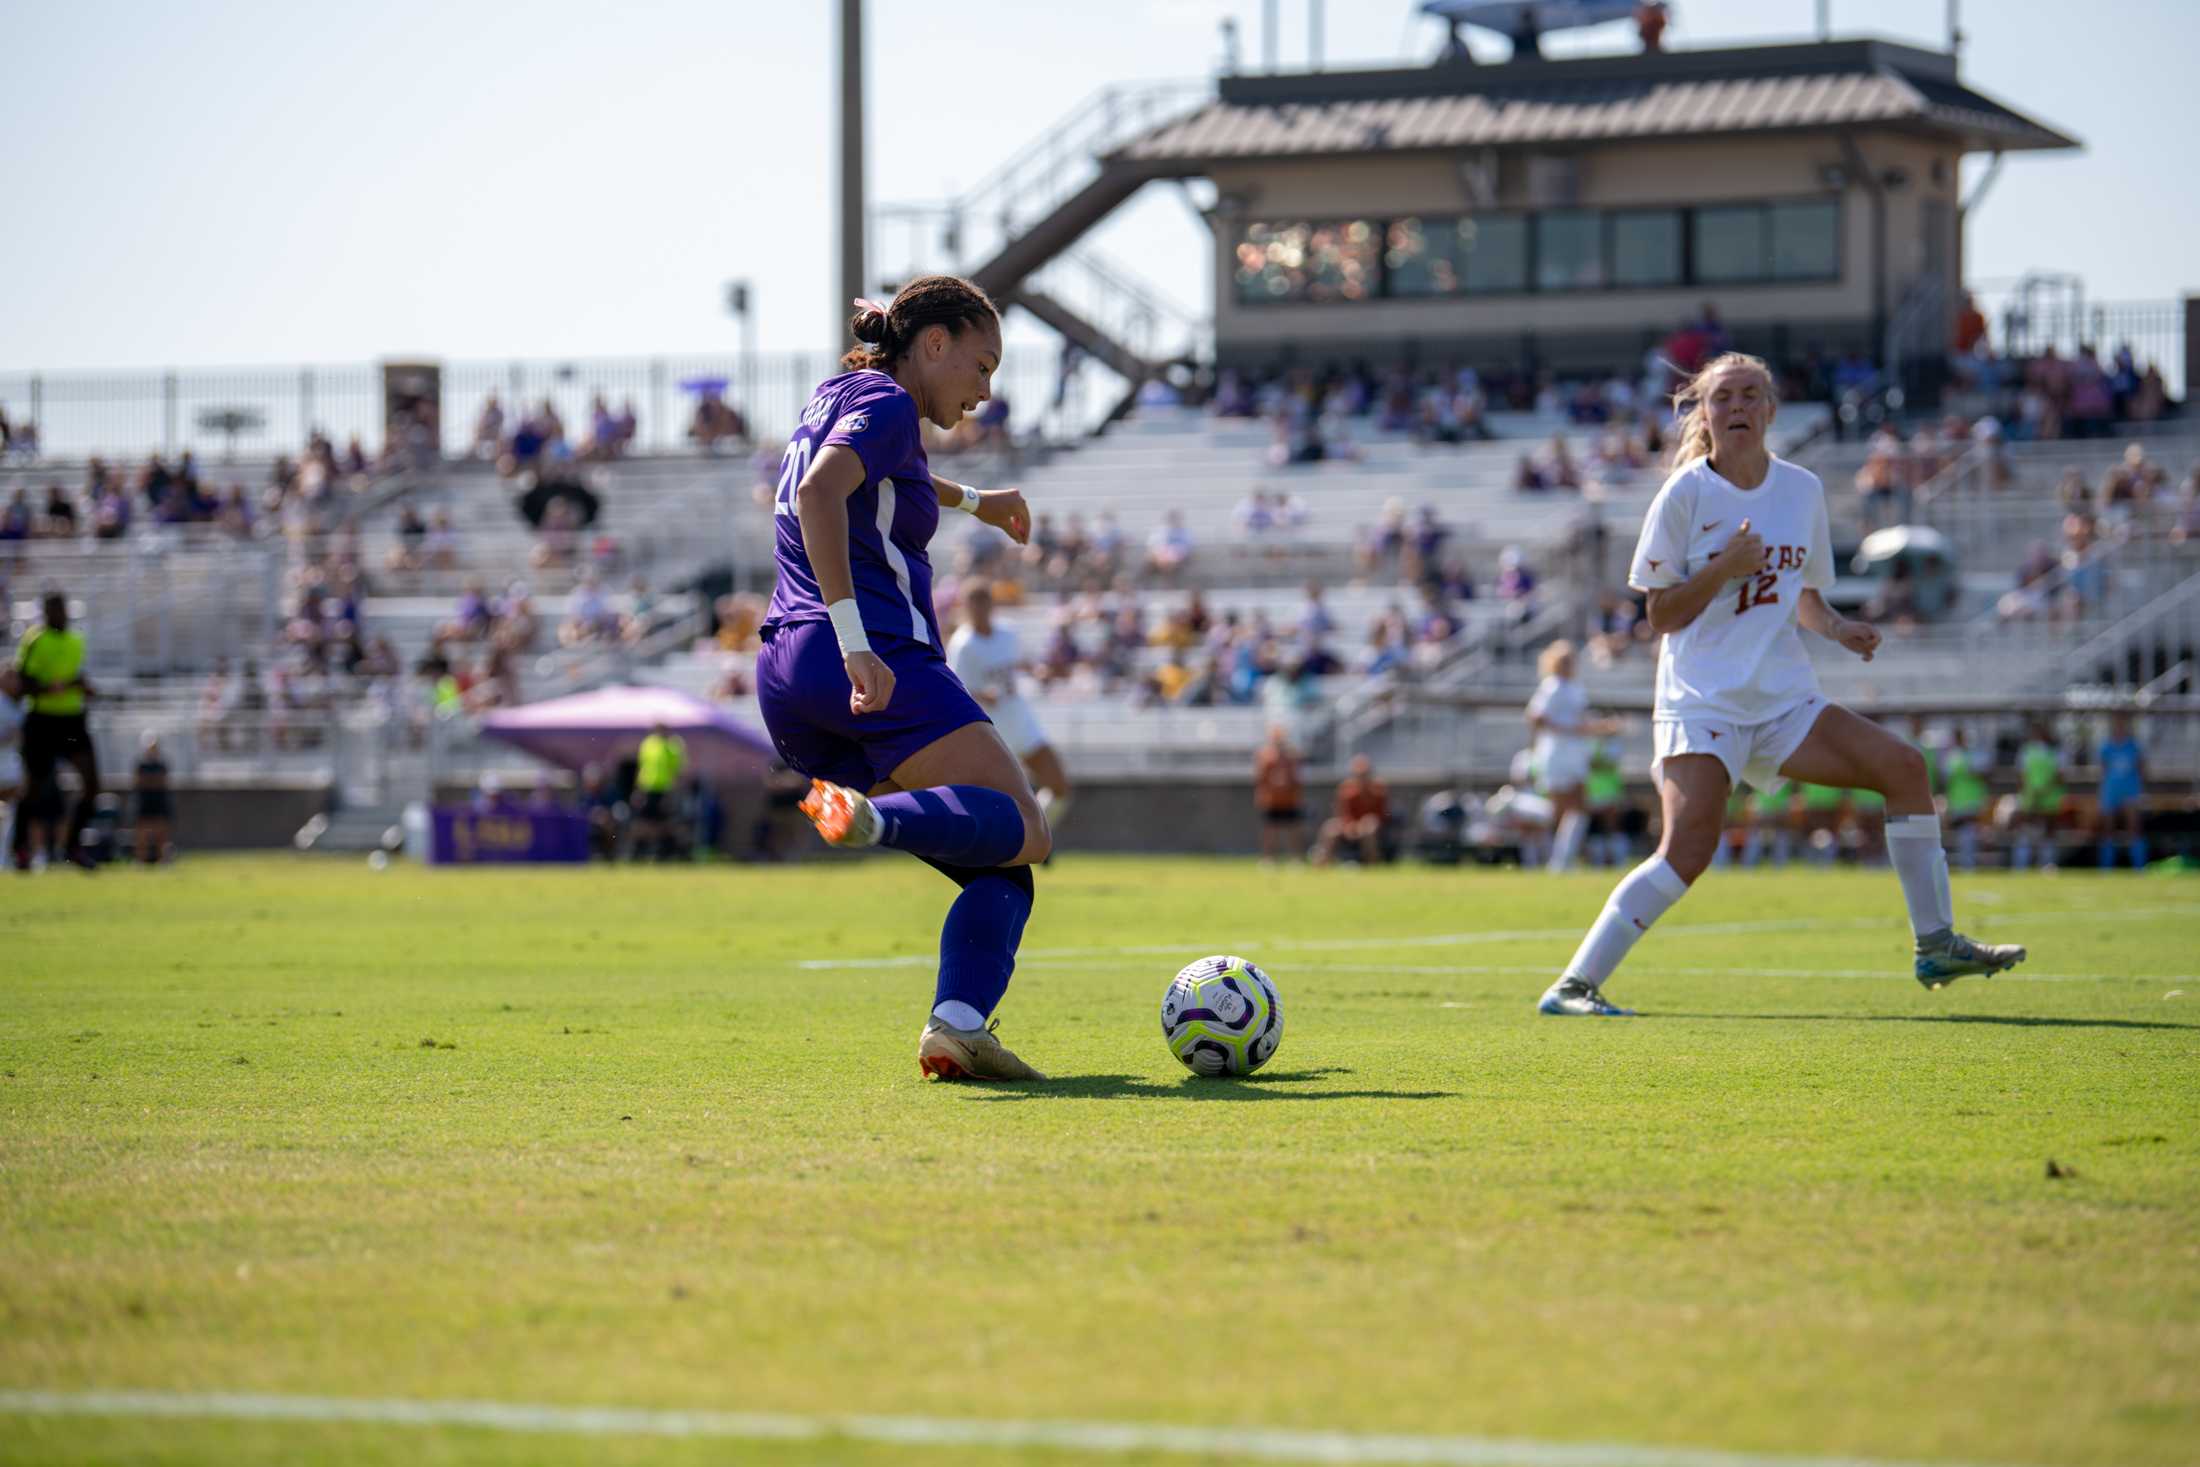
(715, 422)
(522, 441)
(298, 497)
(2132, 499)
(473, 659)
(2048, 395)
(1311, 411)
(597, 617)
(984, 431)
(18, 438)
(1123, 642)
(424, 543)
(322, 660)
(2063, 585)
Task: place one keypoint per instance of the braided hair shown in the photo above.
(884, 335)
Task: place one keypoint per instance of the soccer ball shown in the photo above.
(1222, 1016)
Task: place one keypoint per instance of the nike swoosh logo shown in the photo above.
(1707, 529)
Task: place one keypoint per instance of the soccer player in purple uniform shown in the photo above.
(853, 679)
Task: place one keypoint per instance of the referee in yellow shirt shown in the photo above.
(51, 665)
(658, 765)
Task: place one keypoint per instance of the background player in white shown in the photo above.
(1734, 554)
(986, 657)
(1565, 736)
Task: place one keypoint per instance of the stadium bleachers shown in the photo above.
(199, 597)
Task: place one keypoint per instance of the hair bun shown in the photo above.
(870, 324)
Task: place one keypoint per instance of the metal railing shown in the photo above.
(227, 415)
(2151, 650)
(964, 232)
(148, 605)
(2044, 309)
(1136, 314)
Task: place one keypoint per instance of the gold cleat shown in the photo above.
(947, 1053)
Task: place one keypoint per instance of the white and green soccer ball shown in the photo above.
(1222, 1016)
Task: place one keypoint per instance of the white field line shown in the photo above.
(1455, 970)
(1098, 1437)
(2037, 916)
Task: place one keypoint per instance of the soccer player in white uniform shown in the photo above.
(1734, 554)
(987, 660)
(1565, 736)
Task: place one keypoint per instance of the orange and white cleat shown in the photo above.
(842, 815)
(947, 1053)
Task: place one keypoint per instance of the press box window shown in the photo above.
(1646, 247)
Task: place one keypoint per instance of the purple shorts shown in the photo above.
(802, 689)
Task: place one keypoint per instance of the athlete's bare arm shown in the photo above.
(1003, 509)
(1591, 727)
(1673, 608)
(821, 504)
(1860, 637)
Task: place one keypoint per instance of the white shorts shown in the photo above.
(1750, 751)
(1019, 726)
(1564, 767)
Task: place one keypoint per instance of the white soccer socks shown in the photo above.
(1642, 896)
(1914, 849)
(1566, 846)
(956, 1014)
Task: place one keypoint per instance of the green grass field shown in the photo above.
(286, 1126)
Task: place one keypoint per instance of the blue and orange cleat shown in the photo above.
(844, 817)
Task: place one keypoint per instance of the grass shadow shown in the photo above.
(1255, 1087)
(2019, 1021)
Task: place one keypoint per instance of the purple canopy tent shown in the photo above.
(607, 725)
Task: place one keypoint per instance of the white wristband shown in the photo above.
(848, 626)
(970, 500)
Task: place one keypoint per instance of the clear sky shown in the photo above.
(273, 181)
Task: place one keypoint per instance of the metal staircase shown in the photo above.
(1119, 321)
(1026, 216)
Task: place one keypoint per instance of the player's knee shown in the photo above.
(1688, 864)
(1689, 853)
(1038, 836)
(1906, 774)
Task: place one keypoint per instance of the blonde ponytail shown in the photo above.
(1692, 420)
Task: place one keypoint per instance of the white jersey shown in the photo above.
(1561, 759)
(1743, 659)
(986, 664)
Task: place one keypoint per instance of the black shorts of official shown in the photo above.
(1291, 816)
(49, 738)
(652, 806)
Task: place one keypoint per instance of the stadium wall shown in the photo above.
(243, 818)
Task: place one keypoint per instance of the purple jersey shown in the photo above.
(891, 517)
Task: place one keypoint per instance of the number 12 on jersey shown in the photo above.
(792, 467)
(1759, 592)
